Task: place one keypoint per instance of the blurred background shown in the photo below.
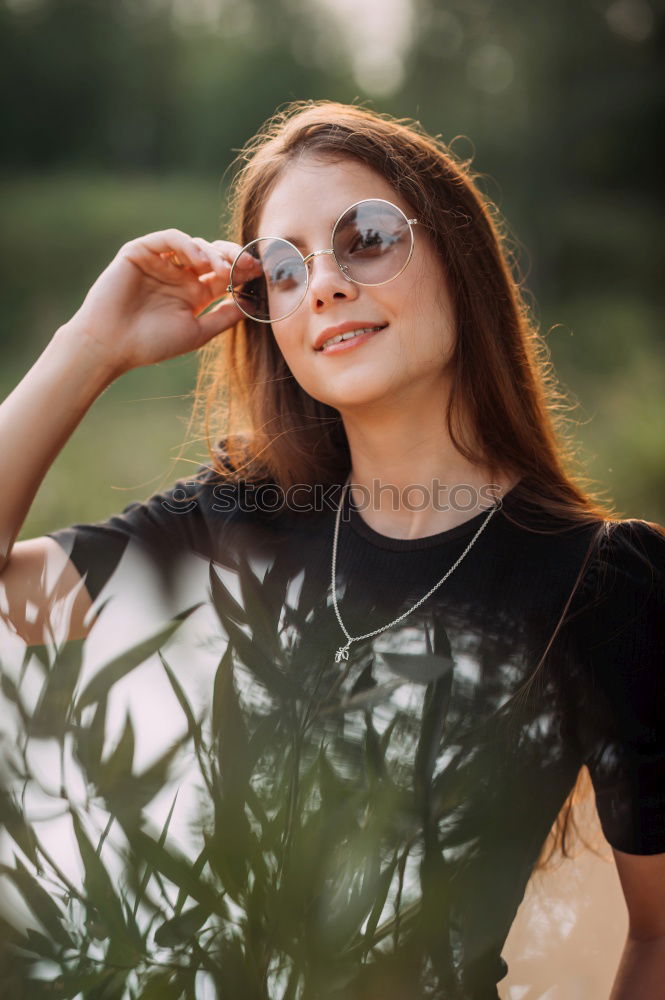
(121, 117)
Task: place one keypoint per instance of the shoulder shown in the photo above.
(618, 613)
(620, 700)
(619, 601)
(629, 554)
(229, 472)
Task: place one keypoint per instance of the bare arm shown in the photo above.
(641, 973)
(36, 421)
(144, 308)
(39, 417)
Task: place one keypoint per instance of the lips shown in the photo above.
(336, 331)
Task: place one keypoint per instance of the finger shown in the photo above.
(216, 285)
(219, 264)
(167, 267)
(212, 287)
(175, 249)
(218, 320)
(245, 268)
(163, 271)
(226, 248)
(245, 265)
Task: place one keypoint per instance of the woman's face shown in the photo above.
(403, 362)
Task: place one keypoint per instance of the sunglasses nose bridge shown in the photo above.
(317, 253)
(320, 253)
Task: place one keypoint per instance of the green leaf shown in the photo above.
(229, 846)
(40, 902)
(112, 988)
(140, 789)
(186, 979)
(262, 666)
(379, 903)
(41, 945)
(222, 598)
(197, 868)
(55, 703)
(10, 691)
(40, 653)
(13, 821)
(89, 742)
(148, 871)
(70, 984)
(236, 976)
(275, 589)
(363, 700)
(178, 870)
(114, 772)
(162, 986)
(335, 790)
(418, 668)
(229, 726)
(101, 893)
(435, 710)
(387, 733)
(11, 935)
(194, 727)
(122, 665)
(262, 603)
(179, 929)
(374, 756)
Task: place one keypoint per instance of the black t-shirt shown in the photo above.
(478, 751)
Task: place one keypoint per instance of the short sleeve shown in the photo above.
(621, 705)
(162, 527)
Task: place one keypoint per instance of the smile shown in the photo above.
(350, 335)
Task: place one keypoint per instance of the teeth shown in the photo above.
(350, 335)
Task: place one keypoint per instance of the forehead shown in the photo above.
(313, 191)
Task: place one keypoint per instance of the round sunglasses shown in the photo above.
(372, 243)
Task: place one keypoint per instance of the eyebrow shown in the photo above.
(291, 239)
(296, 240)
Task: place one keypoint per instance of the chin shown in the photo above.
(350, 400)
(350, 390)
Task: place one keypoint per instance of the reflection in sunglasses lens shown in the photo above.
(278, 279)
(372, 242)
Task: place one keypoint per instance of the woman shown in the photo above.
(507, 628)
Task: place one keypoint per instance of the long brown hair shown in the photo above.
(503, 387)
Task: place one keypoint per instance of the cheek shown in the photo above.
(430, 326)
(291, 344)
(285, 335)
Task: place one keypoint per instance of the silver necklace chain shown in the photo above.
(343, 651)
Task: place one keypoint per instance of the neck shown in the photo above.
(409, 480)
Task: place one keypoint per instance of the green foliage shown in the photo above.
(293, 885)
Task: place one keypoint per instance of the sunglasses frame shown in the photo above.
(318, 253)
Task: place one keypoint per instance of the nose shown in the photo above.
(327, 284)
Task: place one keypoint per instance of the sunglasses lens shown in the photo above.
(373, 242)
(269, 279)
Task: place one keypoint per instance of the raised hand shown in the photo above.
(146, 305)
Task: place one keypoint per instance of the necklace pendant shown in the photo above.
(342, 653)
